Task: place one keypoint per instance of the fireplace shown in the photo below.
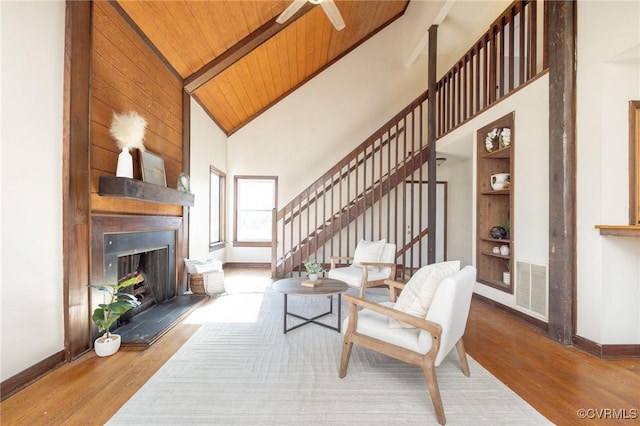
(123, 245)
(150, 255)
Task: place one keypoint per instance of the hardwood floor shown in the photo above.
(556, 380)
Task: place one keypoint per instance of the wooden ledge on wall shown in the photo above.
(619, 230)
(120, 187)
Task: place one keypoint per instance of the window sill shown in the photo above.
(252, 243)
(619, 230)
(217, 246)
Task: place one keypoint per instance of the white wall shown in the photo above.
(208, 148)
(608, 77)
(310, 130)
(31, 321)
(458, 172)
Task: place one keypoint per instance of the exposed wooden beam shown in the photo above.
(240, 50)
(561, 16)
(186, 168)
(314, 74)
(77, 176)
(431, 142)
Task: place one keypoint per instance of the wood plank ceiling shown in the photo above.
(237, 61)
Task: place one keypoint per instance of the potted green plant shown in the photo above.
(506, 225)
(313, 269)
(106, 314)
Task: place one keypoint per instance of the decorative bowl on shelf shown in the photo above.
(498, 233)
(505, 137)
(491, 142)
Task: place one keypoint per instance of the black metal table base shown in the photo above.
(313, 320)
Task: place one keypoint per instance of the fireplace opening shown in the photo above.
(148, 255)
(152, 284)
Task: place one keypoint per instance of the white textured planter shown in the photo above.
(506, 277)
(107, 346)
(313, 277)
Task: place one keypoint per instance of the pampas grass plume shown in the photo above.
(128, 130)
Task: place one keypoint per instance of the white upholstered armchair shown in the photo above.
(423, 341)
(372, 263)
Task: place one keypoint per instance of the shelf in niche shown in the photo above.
(501, 256)
(499, 192)
(494, 283)
(120, 187)
(504, 152)
(495, 240)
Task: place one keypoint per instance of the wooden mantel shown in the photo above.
(120, 187)
(620, 230)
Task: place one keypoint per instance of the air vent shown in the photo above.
(532, 288)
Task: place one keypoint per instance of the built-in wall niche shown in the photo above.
(495, 187)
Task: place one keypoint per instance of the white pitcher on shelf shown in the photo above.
(500, 181)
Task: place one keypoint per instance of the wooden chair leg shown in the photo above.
(346, 355)
(432, 382)
(462, 355)
(393, 295)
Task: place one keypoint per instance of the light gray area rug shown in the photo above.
(239, 368)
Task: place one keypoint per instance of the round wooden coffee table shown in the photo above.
(328, 287)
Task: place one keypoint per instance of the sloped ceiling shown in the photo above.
(237, 61)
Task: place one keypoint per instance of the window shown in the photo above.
(216, 208)
(255, 199)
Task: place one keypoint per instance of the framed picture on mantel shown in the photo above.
(152, 167)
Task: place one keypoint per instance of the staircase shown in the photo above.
(369, 194)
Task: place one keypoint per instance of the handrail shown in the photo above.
(357, 150)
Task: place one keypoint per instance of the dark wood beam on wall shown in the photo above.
(431, 142)
(76, 177)
(240, 50)
(186, 168)
(561, 17)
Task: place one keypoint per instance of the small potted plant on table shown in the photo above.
(313, 269)
(106, 314)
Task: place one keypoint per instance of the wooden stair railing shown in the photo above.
(348, 214)
(329, 176)
(340, 203)
(335, 180)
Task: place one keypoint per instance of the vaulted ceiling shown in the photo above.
(237, 61)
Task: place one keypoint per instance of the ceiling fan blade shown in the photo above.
(333, 14)
(295, 6)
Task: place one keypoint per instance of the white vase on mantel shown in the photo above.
(125, 164)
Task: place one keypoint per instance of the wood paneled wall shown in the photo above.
(126, 75)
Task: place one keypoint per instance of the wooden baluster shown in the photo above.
(522, 48)
(532, 54)
(511, 47)
(478, 88)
